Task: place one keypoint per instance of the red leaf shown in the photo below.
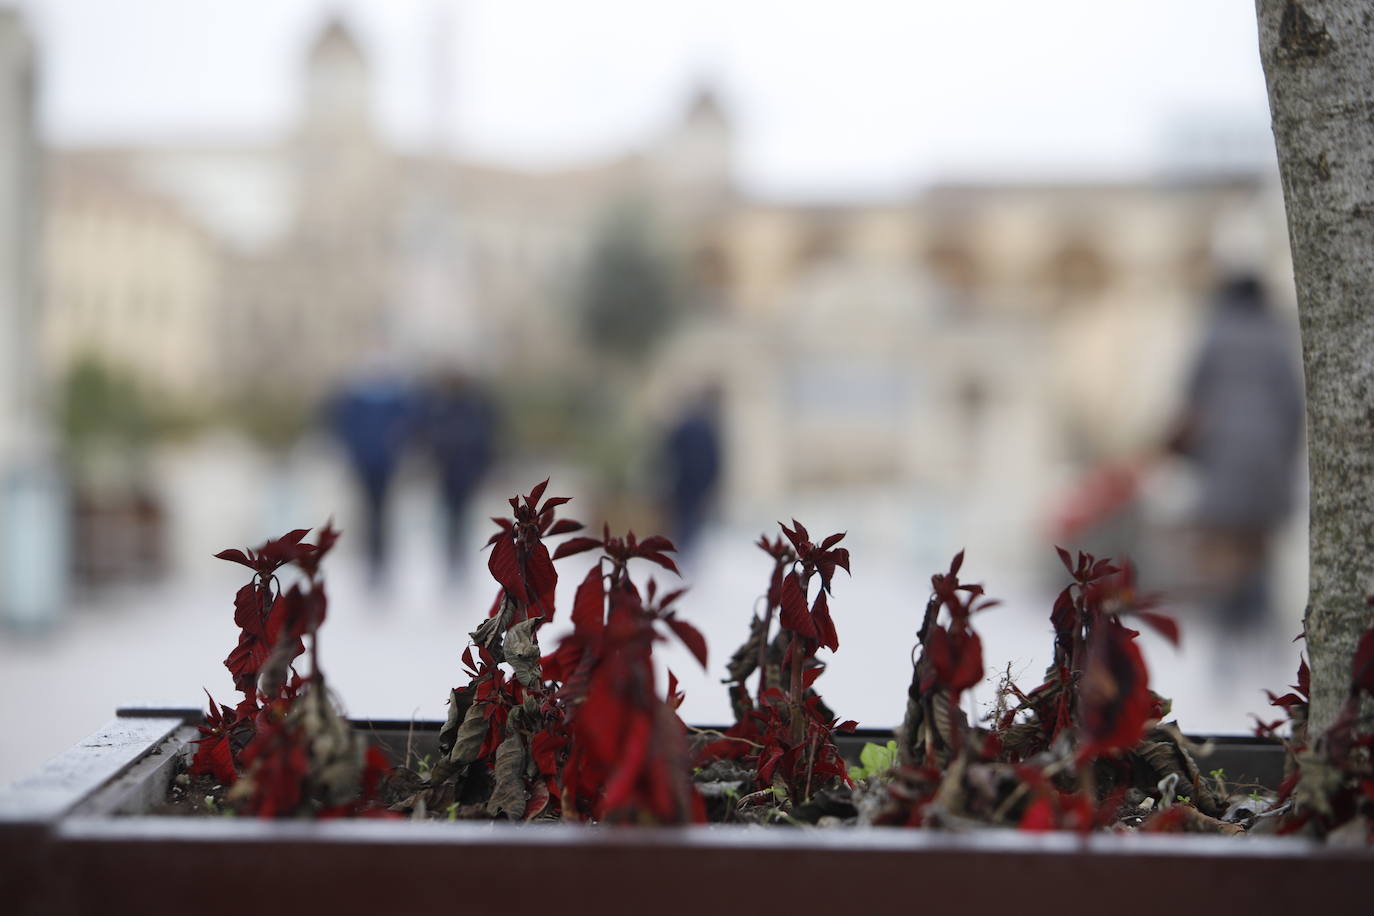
(629, 760)
(833, 540)
(538, 491)
(810, 675)
(938, 652)
(796, 535)
(675, 693)
(691, 637)
(234, 556)
(969, 670)
(1065, 558)
(1039, 816)
(825, 627)
(575, 545)
(1304, 684)
(542, 579)
(564, 526)
(956, 564)
(248, 609)
(662, 560)
(589, 604)
(848, 725)
(214, 757)
(794, 615)
(505, 568)
(667, 600)
(657, 544)
(544, 749)
(1114, 697)
(1162, 624)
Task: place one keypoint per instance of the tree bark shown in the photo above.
(1318, 58)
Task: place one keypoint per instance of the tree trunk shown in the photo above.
(1318, 60)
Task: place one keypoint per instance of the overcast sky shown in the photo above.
(830, 96)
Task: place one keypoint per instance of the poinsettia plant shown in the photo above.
(585, 731)
(784, 731)
(284, 748)
(582, 732)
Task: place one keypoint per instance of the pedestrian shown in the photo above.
(1242, 430)
(459, 428)
(373, 417)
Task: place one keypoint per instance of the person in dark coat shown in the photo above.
(1243, 432)
(460, 431)
(692, 457)
(374, 420)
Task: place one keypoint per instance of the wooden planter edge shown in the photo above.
(65, 849)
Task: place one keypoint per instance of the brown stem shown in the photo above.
(798, 725)
(767, 626)
(810, 768)
(1076, 656)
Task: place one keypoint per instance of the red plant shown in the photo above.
(519, 561)
(786, 732)
(580, 732)
(1098, 684)
(1330, 781)
(269, 746)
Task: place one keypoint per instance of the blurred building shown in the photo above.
(907, 347)
(19, 221)
(31, 525)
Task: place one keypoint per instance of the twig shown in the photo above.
(712, 733)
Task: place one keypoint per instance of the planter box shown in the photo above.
(75, 838)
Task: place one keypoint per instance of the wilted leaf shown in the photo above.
(509, 795)
(458, 703)
(522, 651)
(467, 744)
(491, 633)
(746, 658)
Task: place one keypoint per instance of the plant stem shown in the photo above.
(767, 627)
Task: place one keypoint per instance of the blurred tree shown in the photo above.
(1318, 56)
(628, 300)
(103, 408)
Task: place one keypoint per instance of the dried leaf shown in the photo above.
(458, 703)
(509, 796)
(522, 652)
(467, 743)
(746, 658)
(490, 633)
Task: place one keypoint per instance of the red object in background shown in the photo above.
(1100, 494)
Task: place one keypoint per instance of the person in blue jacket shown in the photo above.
(459, 427)
(692, 459)
(374, 420)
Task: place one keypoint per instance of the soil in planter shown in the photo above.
(194, 796)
